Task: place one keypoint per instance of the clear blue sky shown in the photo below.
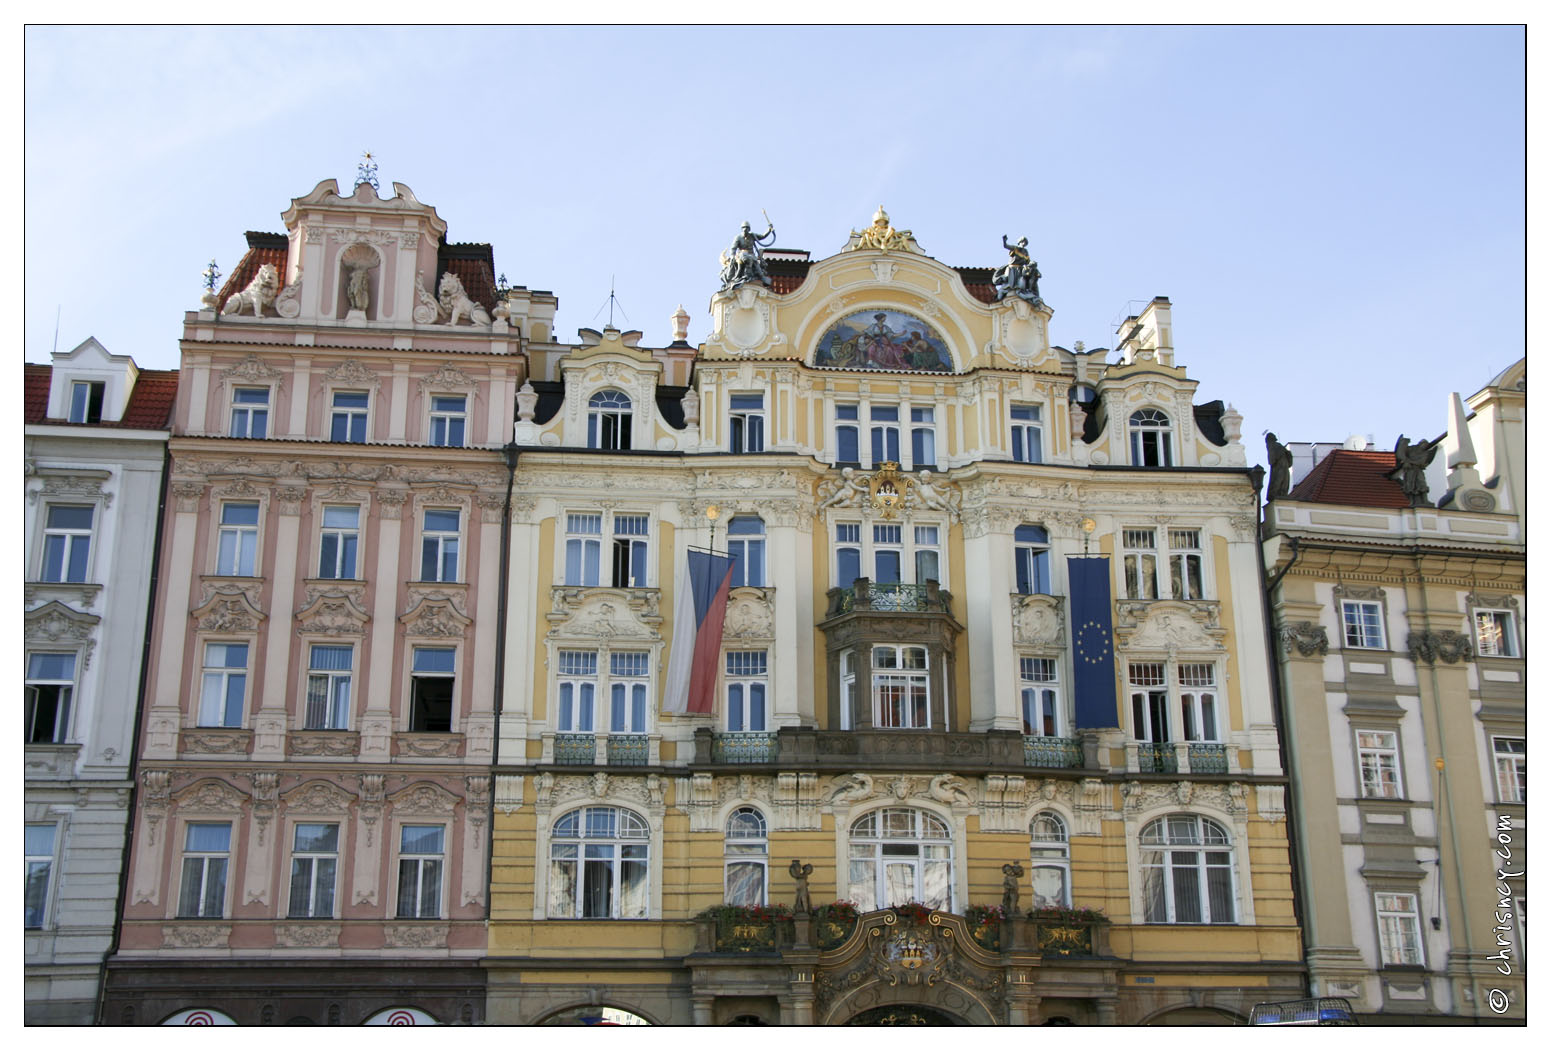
(1336, 214)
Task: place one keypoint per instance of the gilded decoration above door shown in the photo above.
(883, 339)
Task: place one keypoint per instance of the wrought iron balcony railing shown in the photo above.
(1208, 758)
(1156, 758)
(575, 749)
(1060, 753)
(628, 750)
(867, 595)
(745, 748)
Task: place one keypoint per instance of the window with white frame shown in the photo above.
(347, 421)
(1378, 763)
(207, 848)
(895, 553)
(250, 412)
(223, 684)
(847, 434)
(1495, 636)
(1198, 701)
(901, 691)
(50, 690)
(421, 850)
(608, 420)
(449, 419)
(431, 689)
(928, 549)
(847, 687)
(314, 867)
(628, 679)
(86, 397)
(1031, 559)
(848, 553)
(599, 865)
(1185, 564)
(67, 543)
(339, 542)
(583, 549)
(439, 545)
(746, 417)
(1364, 624)
(628, 561)
(1509, 757)
(1027, 439)
(1151, 442)
(883, 427)
(1187, 871)
(923, 437)
(1040, 693)
(328, 687)
(898, 855)
(1142, 556)
(577, 688)
(1149, 701)
(746, 548)
(747, 683)
(1400, 929)
(747, 857)
(237, 541)
(1139, 556)
(630, 545)
(1050, 856)
(888, 545)
(38, 844)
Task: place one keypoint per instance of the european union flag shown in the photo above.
(1093, 643)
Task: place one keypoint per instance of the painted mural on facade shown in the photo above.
(883, 339)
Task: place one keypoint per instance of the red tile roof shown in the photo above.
(1352, 477)
(977, 282)
(262, 248)
(149, 408)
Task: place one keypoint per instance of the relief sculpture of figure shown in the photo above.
(1020, 275)
(744, 261)
(1280, 461)
(1411, 467)
(800, 873)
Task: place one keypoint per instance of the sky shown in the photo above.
(1336, 214)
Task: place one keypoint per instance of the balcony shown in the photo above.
(1208, 758)
(575, 749)
(865, 596)
(799, 748)
(600, 749)
(1052, 753)
(1156, 758)
(628, 750)
(1179, 757)
(744, 748)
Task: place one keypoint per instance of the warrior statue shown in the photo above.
(744, 261)
(1020, 275)
(1411, 467)
(1280, 461)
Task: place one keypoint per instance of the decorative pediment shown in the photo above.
(228, 610)
(750, 616)
(351, 373)
(72, 483)
(56, 622)
(211, 794)
(320, 797)
(435, 618)
(331, 611)
(1168, 625)
(448, 377)
(1038, 620)
(594, 614)
(423, 797)
(251, 370)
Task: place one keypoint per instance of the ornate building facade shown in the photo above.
(94, 436)
(1399, 604)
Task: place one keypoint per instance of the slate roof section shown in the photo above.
(1354, 478)
(787, 275)
(149, 409)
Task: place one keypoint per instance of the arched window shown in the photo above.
(900, 855)
(598, 865)
(1150, 443)
(608, 421)
(747, 857)
(1187, 871)
(746, 545)
(1051, 861)
(1031, 553)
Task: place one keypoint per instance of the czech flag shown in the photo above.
(697, 634)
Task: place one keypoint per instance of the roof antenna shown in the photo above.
(57, 309)
(610, 304)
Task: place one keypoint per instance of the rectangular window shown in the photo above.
(1185, 563)
(847, 687)
(900, 688)
(86, 401)
(67, 542)
(50, 689)
(206, 850)
(583, 547)
(928, 554)
(1494, 633)
(923, 438)
(1140, 555)
(630, 534)
(439, 546)
(337, 548)
(1149, 702)
(1378, 758)
(884, 420)
(887, 554)
(746, 687)
(224, 684)
(39, 847)
(1198, 701)
(1364, 625)
(1027, 441)
(627, 692)
(1041, 696)
(848, 553)
(1400, 929)
(748, 423)
(328, 688)
(847, 445)
(314, 865)
(746, 547)
(250, 412)
(237, 544)
(449, 414)
(1508, 754)
(431, 690)
(1031, 559)
(348, 423)
(420, 872)
(578, 684)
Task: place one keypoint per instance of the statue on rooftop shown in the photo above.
(1280, 461)
(744, 261)
(1020, 275)
(1411, 467)
(261, 292)
(455, 302)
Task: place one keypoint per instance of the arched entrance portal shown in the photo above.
(904, 1014)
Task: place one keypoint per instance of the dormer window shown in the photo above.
(608, 421)
(1150, 443)
(86, 401)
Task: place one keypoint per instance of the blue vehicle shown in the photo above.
(1318, 1010)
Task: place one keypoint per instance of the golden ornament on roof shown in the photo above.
(880, 236)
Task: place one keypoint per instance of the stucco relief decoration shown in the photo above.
(749, 615)
(288, 304)
(491, 505)
(228, 610)
(1021, 330)
(391, 501)
(745, 321)
(427, 310)
(56, 623)
(372, 799)
(448, 377)
(251, 370)
(883, 338)
(331, 611)
(306, 935)
(196, 935)
(322, 742)
(456, 304)
(318, 797)
(435, 618)
(1168, 625)
(266, 786)
(1038, 620)
(1140, 798)
(211, 794)
(606, 616)
(508, 793)
(848, 789)
(414, 935)
(423, 798)
(1429, 647)
(82, 485)
(430, 745)
(259, 294)
(215, 742)
(951, 789)
(351, 373)
(288, 498)
(1306, 637)
(158, 798)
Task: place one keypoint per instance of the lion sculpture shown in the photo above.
(261, 292)
(456, 303)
